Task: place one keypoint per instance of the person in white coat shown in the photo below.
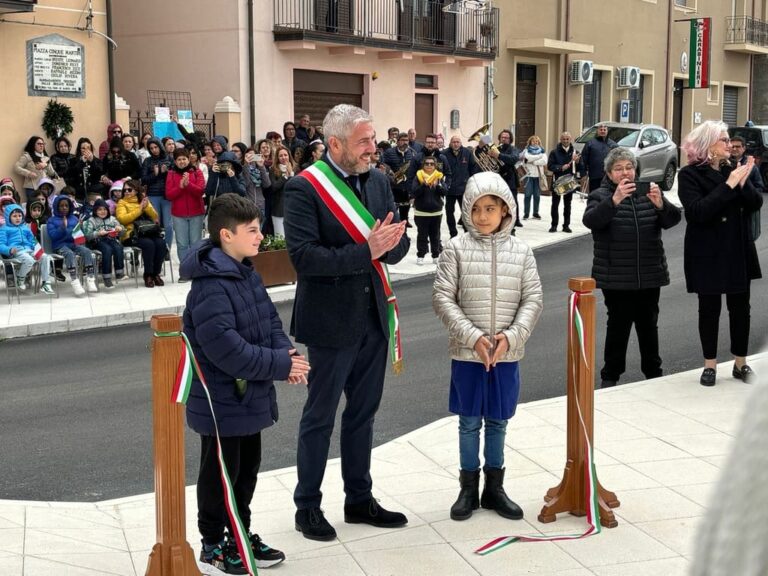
(533, 159)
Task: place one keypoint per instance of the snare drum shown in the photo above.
(565, 184)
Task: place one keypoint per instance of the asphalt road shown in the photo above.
(75, 411)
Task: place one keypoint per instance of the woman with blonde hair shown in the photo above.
(719, 255)
(532, 159)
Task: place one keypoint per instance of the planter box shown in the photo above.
(274, 267)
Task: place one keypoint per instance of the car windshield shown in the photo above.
(622, 135)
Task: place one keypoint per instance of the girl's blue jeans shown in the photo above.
(469, 442)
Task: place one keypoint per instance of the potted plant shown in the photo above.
(471, 44)
(486, 29)
(273, 263)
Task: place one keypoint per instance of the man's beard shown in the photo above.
(353, 164)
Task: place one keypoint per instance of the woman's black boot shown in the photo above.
(494, 497)
(468, 499)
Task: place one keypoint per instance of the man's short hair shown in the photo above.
(739, 139)
(505, 131)
(402, 135)
(227, 212)
(430, 136)
(342, 119)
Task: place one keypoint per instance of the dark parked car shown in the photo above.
(756, 138)
(652, 145)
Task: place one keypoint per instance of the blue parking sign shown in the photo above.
(624, 111)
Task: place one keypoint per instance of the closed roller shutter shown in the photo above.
(317, 92)
(730, 105)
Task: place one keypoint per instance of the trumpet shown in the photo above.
(486, 162)
(402, 173)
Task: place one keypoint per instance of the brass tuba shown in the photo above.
(486, 162)
(402, 173)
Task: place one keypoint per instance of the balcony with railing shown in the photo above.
(746, 35)
(10, 6)
(400, 25)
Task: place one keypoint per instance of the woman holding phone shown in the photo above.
(256, 177)
(719, 254)
(629, 265)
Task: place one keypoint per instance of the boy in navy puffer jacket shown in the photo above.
(238, 340)
(18, 242)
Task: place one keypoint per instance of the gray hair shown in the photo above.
(619, 154)
(342, 119)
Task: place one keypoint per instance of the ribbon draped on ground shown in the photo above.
(187, 369)
(590, 474)
(347, 208)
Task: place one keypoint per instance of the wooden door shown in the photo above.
(525, 105)
(424, 115)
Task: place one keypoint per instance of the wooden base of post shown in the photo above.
(178, 559)
(571, 494)
(564, 496)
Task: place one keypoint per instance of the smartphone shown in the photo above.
(641, 189)
(258, 157)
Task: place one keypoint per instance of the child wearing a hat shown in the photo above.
(18, 242)
(7, 188)
(102, 232)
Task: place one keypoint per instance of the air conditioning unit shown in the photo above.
(629, 77)
(581, 72)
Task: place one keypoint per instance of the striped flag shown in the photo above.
(700, 48)
(37, 251)
(77, 234)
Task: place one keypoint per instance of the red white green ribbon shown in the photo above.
(186, 371)
(590, 474)
(37, 251)
(339, 198)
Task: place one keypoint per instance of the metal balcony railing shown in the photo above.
(10, 6)
(746, 30)
(420, 25)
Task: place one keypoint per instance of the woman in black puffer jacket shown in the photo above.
(629, 264)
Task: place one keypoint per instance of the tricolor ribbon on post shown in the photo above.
(590, 474)
(185, 373)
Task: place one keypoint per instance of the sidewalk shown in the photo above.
(39, 314)
(660, 445)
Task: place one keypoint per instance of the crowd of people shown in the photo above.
(156, 190)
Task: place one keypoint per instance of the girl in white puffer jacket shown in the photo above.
(488, 294)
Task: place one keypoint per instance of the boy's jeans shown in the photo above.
(469, 442)
(28, 261)
(110, 250)
(69, 256)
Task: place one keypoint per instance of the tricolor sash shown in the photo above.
(347, 208)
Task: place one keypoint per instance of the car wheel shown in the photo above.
(669, 177)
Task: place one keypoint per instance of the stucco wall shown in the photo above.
(20, 114)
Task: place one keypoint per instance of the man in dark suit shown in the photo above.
(340, 314)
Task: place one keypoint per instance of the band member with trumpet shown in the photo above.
(509, 156)
(462, 165)
(399, 159)
(563, 160)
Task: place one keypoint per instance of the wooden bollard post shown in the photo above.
(570, 495)
(171, 555)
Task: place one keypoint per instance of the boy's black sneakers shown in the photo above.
(224, 557)
(263, 554)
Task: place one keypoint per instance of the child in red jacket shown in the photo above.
(185, 187)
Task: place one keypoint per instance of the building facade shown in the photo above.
(410, 63)
(636, 51)
(48, 52)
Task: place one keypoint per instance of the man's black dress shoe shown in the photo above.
(708, 377)
(745, 374)
(369, 512)
(312, 524)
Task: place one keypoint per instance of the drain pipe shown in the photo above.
(489, 90)
(668, 74)
(251, 79)
(110, 65)
(564, 77)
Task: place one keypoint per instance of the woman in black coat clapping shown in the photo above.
(720, 255)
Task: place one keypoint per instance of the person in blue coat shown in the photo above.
(238, 340)
(593, 156)
(225, 177)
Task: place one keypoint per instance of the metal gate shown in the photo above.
(730, 105)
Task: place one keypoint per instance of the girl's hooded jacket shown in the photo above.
(188, 201)
(487, 283)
